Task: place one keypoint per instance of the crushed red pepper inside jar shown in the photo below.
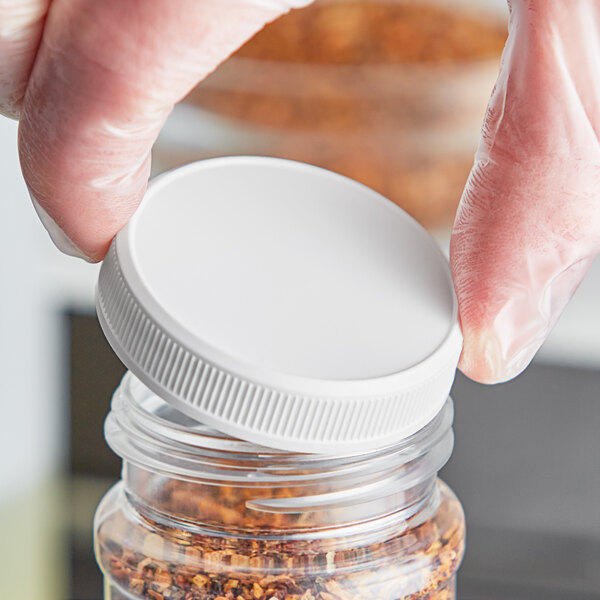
(199, 515)
(146, 558)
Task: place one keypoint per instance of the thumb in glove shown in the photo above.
(528, 225)
(99, 79)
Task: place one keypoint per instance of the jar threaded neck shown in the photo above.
(178, 470)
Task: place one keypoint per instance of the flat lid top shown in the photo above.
(280, 269)
(282, 304)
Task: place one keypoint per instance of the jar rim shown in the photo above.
(142, 425)
(159, 444)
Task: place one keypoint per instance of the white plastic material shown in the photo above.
(282, 304)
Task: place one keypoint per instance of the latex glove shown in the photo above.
(93, 81)
(528, 226)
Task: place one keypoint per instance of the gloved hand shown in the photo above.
(93, 82)
(106, 75)
(528, 226)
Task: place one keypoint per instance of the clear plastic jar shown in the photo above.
(202, 516)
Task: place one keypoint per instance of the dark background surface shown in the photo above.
(526, 467)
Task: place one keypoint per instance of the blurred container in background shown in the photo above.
(389, 92)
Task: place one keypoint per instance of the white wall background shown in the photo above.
(38, 283)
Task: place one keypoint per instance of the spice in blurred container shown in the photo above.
(391, 93)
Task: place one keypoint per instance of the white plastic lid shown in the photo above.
(282, 304)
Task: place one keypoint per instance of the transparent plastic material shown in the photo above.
(390, 93)
(199, 515)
